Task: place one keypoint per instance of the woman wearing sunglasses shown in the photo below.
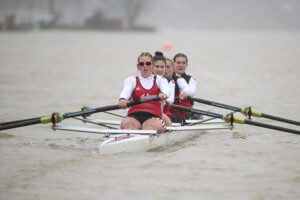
(159, 68)
(146, 116)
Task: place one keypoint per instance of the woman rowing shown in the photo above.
(169, 68)
(159, 68)
(146, 116)
(185, 85)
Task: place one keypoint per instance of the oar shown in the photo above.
(18, 121)
(57, 117)
(245, 111)
(233, 119)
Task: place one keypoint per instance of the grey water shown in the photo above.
(46, 71)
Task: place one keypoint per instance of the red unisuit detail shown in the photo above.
(122, 137)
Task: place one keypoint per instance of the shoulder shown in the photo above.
(168, 79)
(158, 77)
(189, 78)
(130, 79)
(193, 78)
(186, 76)
(172, 82)
(181, 79)
(161, 79)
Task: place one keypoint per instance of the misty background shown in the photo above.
(50, 61)
(150, 15)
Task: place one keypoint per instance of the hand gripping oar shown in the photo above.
(245, 111)
(57, 117)
(233, 119)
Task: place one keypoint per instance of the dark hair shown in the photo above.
(145, 54)
(159, 56)
(180, 55)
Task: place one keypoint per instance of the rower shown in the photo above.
(146, 116)
(169, 68)
(159, 63)
(185, 85)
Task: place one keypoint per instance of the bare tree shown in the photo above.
(131, 12)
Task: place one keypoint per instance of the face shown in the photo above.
(145, 66)
(169, 68)
(180, 65)
(159, 67)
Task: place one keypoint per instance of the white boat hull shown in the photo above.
(137, 143)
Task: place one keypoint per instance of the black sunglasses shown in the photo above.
(145, 63)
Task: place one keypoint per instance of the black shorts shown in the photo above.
(142, 116)
(177, 118)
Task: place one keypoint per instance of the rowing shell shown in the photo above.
(120, 140)
(137, 142)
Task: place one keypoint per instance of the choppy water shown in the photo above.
(42, 72)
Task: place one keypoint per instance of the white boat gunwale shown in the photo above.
(108, 132)
(101, 122)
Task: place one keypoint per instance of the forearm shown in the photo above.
(192, 87)
(129, 85)
(170, 98)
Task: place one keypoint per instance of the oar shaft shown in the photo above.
(278, 128)
(18, 121)
(60, 117)
(280, 119)
(90, 111)
(212, 103)
(241, 120)
(47, 119)
(255, 113)
(105, 108)
(238, 120)
(21, 123)
(201, 112)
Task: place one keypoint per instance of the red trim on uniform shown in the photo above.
(167, 112)
(140, 93)
(121, 137)
(163, 124)
(186, 103)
